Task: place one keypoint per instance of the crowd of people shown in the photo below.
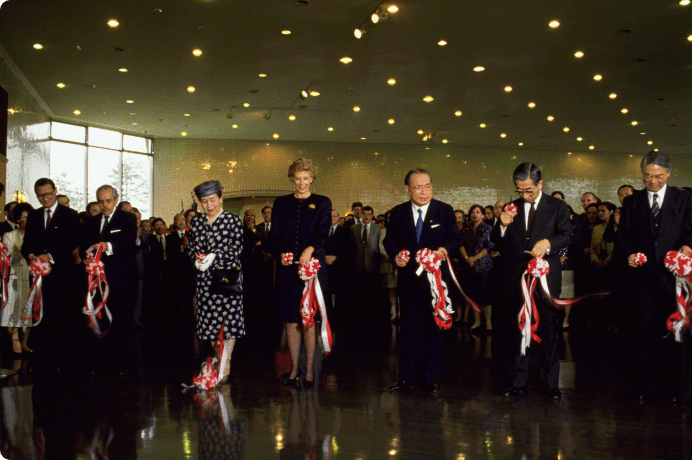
(212, 273)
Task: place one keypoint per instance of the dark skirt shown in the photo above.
(476, 285)
(288, 292)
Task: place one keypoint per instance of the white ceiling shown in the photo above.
(641, 49)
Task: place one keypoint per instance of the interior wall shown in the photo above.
(374, 173)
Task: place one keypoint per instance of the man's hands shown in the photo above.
(540, 248)
(402, 261)
(306, 255)
(506, 219)
(330, 259)
(442, 252)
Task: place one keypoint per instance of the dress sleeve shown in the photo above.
(194, 245)
(485, 238)
(322, 224)
(228, 253)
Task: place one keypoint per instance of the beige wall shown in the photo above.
(374, 173)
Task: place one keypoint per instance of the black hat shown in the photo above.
(208, 188)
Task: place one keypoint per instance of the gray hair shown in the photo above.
(107, 187)
(656, 158)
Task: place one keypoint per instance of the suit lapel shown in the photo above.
(541, 216)
(429, 218)
(54, 219)
(113, 218)
(646, 211)
(521, 225)
(667, 208)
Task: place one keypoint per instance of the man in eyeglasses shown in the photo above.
(540, 228)
(422, 222)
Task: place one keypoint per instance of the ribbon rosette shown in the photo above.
(442, 305)
(404, 254)
(314, 299)
(640, 258)
(200, 258)
(528, 315)
(98, 284)
(38, 268)
(512, 209)
(4, 272)
(287, 258)
(680, 265)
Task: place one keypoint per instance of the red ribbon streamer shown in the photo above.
(312, 300)
(34, 304)
(4, 272)
(680, 264)
(430, 261)
(97, 284)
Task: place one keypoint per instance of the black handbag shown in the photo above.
(226, 281)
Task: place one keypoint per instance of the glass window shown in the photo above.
(105, 138)
(104, 167)
(137, 181)
(67, 132)
(136, 144)
(68, 171)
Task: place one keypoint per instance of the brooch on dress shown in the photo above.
(311, 206)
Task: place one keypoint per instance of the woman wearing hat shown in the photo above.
(300, 226)
(215, 243)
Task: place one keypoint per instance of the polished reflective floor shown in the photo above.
(348, 416)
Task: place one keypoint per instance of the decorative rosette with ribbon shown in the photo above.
(431, 262)
(639, 258)
(287, 258)
(34, 304)
(511, 208)
(212, 371)
(4, 272)
(312, 300)
(404, 254)
(680, 265)
(97, 295)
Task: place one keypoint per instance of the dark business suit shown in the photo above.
(5, 227)
(551, 222)
(154, 282)
(115, 350)
(652, 284)
(421, 339)
(63, 289)
(181, 283)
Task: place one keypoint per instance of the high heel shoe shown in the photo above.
(294, 381)
(309, 384)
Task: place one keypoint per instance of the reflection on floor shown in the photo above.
(348, 416)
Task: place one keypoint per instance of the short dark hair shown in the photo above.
(2, 188)
(491, 207)
(158, 219)
(135, 210)
(474, 206)
(527, 171)
(262, 211)
(20, 209)
(91, 203)
(626, 186)
(656, 158)
(368, 208)
(189, 211)
(407, 179)
(557, 192)
(592, 205)
(9, 205)
(61, 196)
(357, 204)
(611, 206)
(44, 181)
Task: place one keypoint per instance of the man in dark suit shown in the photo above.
(654, 221)
(181, 280)
(357, 218)
(156, 267)
(541, 228)
(8, 224)
(365, 242)
(52, 235)
(336, 257)
(117, 231)
(420, 223)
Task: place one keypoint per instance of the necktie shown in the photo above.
(532, 215)
(331, 232)
(163, 246)
(47, 217)
(655, 208)
(419, 225)
(365, 235)
(105, 223)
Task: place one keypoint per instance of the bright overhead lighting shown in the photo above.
(591, 147)
(304, 94)
(579, 54)
(391, 82)
(624, 110)
(190, 89)
(420, 131)
(393, 9)
(458, 113)
(612, 95)
(650, 142)
(390, 121)
(346, 60)
(362, 138)
(77, 112)
(597, 77)
(130, 101)
(113, 23)
(122, 69)
(444, 141)
(275, 136)
(689, 38)
(655, 150)
(550, 118)
(566, 129)
(520, 144)
(61, 85)
(508, 89)
(428, 99)
(330, 129)
(554, 24)
(374, 17)
(684, 2)
(569, 153)
(286, 32)
(642, 134)
(356, 109)
(503, 135)
(314, 93)
(482, 125)
(292, 117)
(186, 114)
(183, 134)
(197, 52)
(532, 105)
(38, 46)
(247, 104)
(479, 68)
(442, 43)
(234, 126)
(579, 139)
(262, 75)
(635, 123)
(358, 33)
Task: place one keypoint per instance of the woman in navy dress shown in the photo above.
(300, 226)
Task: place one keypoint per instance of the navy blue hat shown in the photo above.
(208, 188)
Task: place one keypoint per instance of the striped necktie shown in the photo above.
(655, 208)
(419, 225)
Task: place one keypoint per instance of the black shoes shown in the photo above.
(553, 394)
(309, 384)
(401, 385)
(294, 381)
(514, 391)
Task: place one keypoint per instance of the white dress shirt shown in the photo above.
(52, 213)
(415, 209)
(661, 194)
(527, 208)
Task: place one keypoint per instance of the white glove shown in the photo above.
(206, 262)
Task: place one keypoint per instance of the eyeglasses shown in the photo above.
(418, 188)
(526, 191)
(45, 195)
(658, 177)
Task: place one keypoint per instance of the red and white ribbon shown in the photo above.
(639, 258)
(431, 262)
(97, 285)
(680, 265)
(312, 300)
(511, 208)
(468, 299)
(212, 371)
(4, 272)
(34, 304)
(287, 258)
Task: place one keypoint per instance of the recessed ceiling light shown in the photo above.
(444, 141)
(420, 131)
(532, 105)
(77, 112)
(314, 93)
(579, 54)
(503, 135)
(186, 114)
(190, 89)
(591, 147)
(286, 32)
(262, 75)
(247, 104)
(235, 126)
(624, 110)
(458, 113)
(391, 81)
(520, 144)
(330, 129)
(554, 24)
(482, 125)
(356, 109)
(346, 60)
(275, 136)
(390, 121)
(479, 68)
(60, 85)
(122, 69)
(292, 117)
(130, 101)
(566, 129)
(428, 99)
(612, 95)
(358, 33)
(362, 138)
(684, 2)
(113, 23)
(393, 9)
(38, 46)
(374, 17)
(650, 142)
(508, 89)
(635, 122)
(197, 52)
(442, 43)
(579, 139)
(642, 134)
(689, 38)
(655, 150)
(183, 134)
(550, 118)
(597, 77)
